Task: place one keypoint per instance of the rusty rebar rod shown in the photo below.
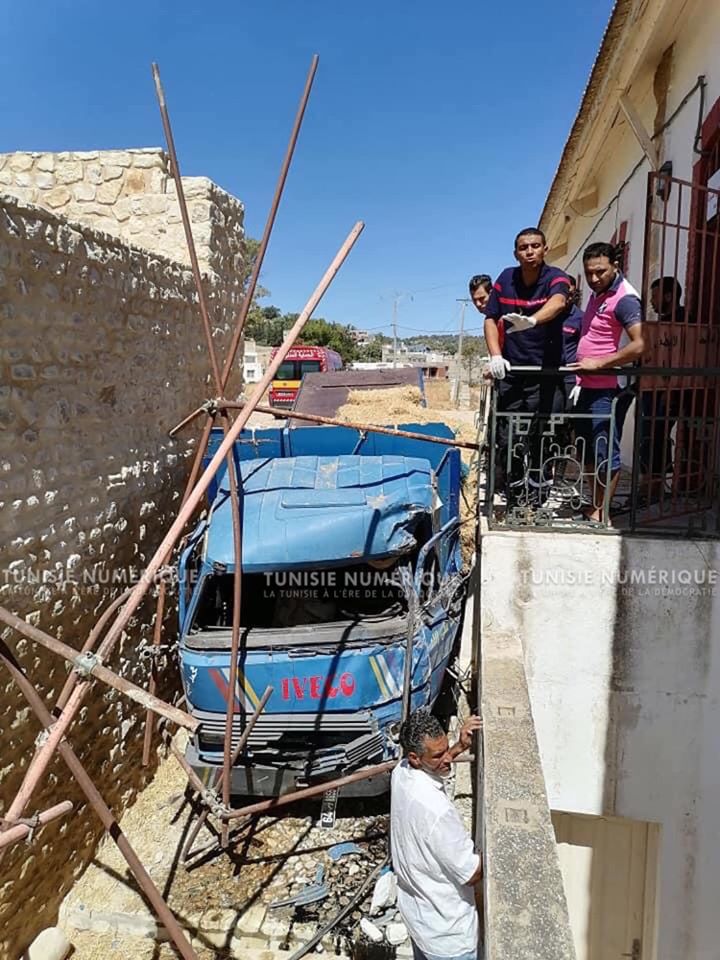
(214, 364)
(163, 912)
(90, 645)
(244, 737)
(152, 685)
(260, 256)
(162, 590)
(194, 780)
(175, 170)
(274, 803)
(234, 477)
(12, 832)
(366, 427)
(331, 422)
(214, 367)
(92, 666)
(186, 421)
(220, 455)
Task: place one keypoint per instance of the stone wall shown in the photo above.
(130, 194)
(102, 352)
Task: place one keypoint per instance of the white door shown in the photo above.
(609, 867)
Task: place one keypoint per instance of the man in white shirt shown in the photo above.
(433, 855)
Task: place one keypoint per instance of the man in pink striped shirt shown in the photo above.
(614, 310)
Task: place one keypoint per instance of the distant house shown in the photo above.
(255, 361)
(252, 368)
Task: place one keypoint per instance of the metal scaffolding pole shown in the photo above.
(94, 665)
(163, 912)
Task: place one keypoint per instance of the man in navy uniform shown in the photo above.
(531, 300)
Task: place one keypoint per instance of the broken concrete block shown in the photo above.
(385, 892)
(217, 926)
(252, 919)
(371, 931)
(51, 944)
(253, 953)
(276, 927)
(132, 924)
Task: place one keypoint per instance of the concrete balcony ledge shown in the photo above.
(526, 916)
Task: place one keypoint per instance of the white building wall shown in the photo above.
(696, 52)
(625, 690)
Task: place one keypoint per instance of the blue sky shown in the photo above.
(439, 125)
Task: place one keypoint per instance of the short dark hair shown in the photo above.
(417, 728)
(480, 280)
(601, 250)
(668, 285)
(531, 232)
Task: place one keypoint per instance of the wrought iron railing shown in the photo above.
(547, 470)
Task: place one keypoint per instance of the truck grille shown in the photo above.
(273, 728)
(315, 743)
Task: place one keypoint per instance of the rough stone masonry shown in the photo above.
(102, 351)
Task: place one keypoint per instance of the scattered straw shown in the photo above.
(397, 405)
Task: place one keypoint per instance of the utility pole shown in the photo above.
(394, 328)
(463, 301)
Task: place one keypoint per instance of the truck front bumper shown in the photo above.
(260, 780)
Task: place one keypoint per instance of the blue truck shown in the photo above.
(350, 545)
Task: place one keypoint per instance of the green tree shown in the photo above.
(471, 357)
(321, 333)
(370, 352)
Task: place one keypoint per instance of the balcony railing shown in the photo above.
(548, 469)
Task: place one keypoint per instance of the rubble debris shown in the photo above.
(312, 893)
(343, 850)
(385, 892)
(371, 931)
(51, 944)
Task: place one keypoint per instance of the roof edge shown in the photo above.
(596, 80)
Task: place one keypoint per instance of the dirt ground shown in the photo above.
(271, 859)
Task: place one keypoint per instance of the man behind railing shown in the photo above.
(613, 308)
(531, 301)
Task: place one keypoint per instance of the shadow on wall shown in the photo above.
(657, 699)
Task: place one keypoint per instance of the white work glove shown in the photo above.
(498, 367)
(518, 322)
(575, 394)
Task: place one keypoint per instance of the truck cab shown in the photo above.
(350, 547)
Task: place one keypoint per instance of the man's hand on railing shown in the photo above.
(498, 367)
(518, 323)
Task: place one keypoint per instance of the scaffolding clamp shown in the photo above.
(85, 663)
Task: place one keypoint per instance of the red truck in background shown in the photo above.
(298, 362)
